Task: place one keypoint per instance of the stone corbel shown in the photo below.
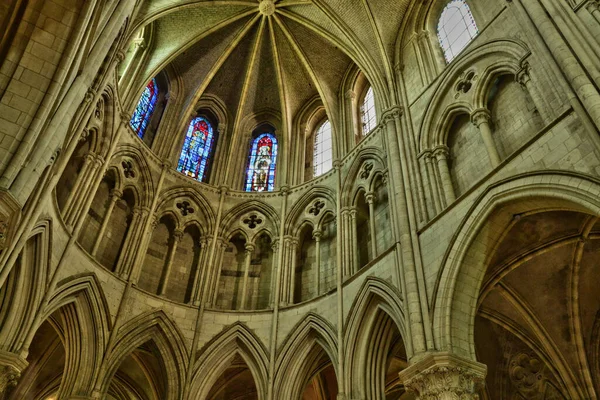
(444, 376)
(11, 367)
(10, 214)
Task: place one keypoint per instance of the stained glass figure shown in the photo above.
(323, 150)
(145, 108)
(456, 28)
(367, 112)
(260, 176)
(197, 149)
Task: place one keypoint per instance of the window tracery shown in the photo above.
(260, 175)
(323, 150)
(144, 109)
(367, 112)
(456, 28)
(197, 149)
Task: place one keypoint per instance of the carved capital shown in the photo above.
(522, 76)
(481, 116)
(317, 235)
(593, 6)
(444, 376)
(11, 366)
(441, 153)
(177, 235)
(392, 113)
(371, 198)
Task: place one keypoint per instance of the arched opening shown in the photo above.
(185, 266)
(538, 308)
(469, 160)
(305, 281)
(323, 149)
(363, 227)
(260, 274)
(236, 382)
(323, 383)
(112, 241)
(515, 118)
(150, 107)
(262, 160)
(456, 28)
(198, 148)
(327, 254)
(231, 282)
(141, 375)
(368, 116)
(157, 254)
(97, 213)
(383, 230)
(46, 358)
(70, 175)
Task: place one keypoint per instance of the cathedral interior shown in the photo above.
(299, 199)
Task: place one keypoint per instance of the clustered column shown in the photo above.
(115, 195)
(482, 119)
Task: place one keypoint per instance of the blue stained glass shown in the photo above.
(143, 112)
(197, 149)
(260, 176)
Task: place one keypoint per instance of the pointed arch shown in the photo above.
(214, 358)
(462, 271)
(157, 327)
(377, 310)
(233, 219)
(310, 336)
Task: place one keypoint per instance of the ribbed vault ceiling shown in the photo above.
(259, 56)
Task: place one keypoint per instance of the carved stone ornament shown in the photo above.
(10, 213)
(252, 221)
(9, 377)
(526, 372)
(465, 82)
(365, 172)
(316, 208)
(443, 376)
(185, 208)
(128, 170)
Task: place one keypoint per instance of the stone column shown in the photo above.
(346, 241)
(482, 118)
(114, 197)
(274, 269)
(177, 235)
(593, 6)
(442, 155)
(81, 177)
(353, 242)
(523, 77)
(131, 243)
(87, 190)
(431, 181)
(444, 376)
(371, 198)
(249, 250)
(217, 270)
(285, 273)
(196, 292)
(294, 259)
(317, 234)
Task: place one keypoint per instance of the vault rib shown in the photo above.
(217, 65)
(237, 135)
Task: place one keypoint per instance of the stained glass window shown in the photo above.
(367, 111)
(197, 149)
(260, 176)
(145, 108)
(456, 28)
(323, 150)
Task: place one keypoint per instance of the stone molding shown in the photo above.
(11, 366)
(444, 376)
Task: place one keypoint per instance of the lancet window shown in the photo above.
(144, 109)
(197, 149)
(456, 28)
(367, 111)
(260, 174)
(323, 150)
